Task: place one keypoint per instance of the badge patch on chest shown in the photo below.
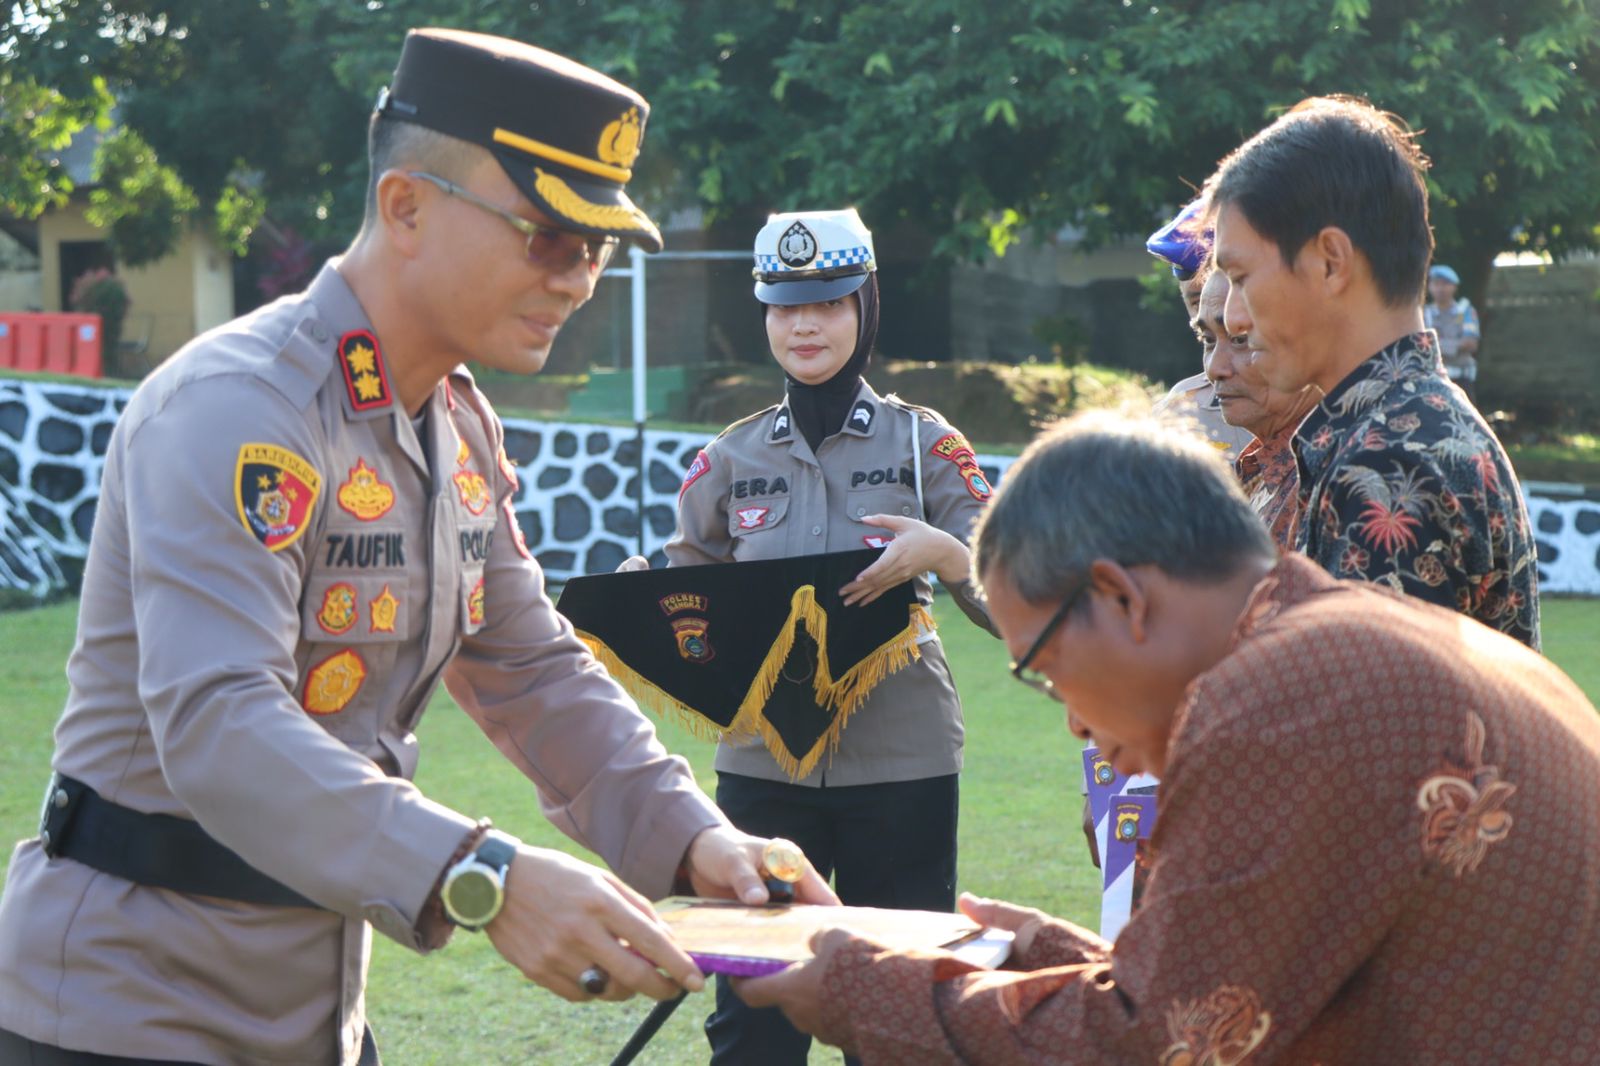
(383, 611)
(474, 491)
(752, 517)
(364, 494)
(274, 490)
(334, 682)
(877, 541)
(475, 604)
(338, 612)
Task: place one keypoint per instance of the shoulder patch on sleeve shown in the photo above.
(274, 490)
(953, 447)
(702, 463)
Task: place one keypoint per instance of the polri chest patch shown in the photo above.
(365, 494)
(274, 491)
(752, 517)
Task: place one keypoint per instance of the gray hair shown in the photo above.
(393, 143)
(1133, 490)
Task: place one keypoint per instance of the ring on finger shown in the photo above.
(594, 980)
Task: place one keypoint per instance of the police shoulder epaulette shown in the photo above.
(906, 405)
(747, 419)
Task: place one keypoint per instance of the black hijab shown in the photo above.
(819, 410)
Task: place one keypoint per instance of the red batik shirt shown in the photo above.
(1270, 475)
(1377, 844)
(1402, 481)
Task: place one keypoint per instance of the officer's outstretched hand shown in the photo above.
(632, 563)
(562, 916)
(917, 548)
(724, 863)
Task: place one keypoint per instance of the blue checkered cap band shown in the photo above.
(803, 244)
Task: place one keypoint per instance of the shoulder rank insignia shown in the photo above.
(364, 494)
(274, 490)
(338, 612)
(954, 448)
(781, 427)
(463, 453)
(365, 378)
(702, 463)
(474, 490)
(334, 682)
(861, 415)
(383, 611)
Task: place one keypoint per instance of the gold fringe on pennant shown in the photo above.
(647, 695)
(844, 694)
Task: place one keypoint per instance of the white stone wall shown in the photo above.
(577, 505)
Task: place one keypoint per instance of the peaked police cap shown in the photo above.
(567, 135)
(1182, 242)
(806, 257)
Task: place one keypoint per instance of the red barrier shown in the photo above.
(54, 344)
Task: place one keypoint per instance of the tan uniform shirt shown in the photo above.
(762, 494)
(1194, 400)
(257, 660)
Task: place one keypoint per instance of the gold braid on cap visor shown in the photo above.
(567, 203)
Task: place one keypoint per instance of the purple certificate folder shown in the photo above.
(723, 936)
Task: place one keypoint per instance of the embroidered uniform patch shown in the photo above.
(365, 379)
(874, 540)
(274, 490)
(752, 517)
(781, 427)
(365, 495)
(475, 604)
(861, 415)
(474, 491)
(953, 447)
(702, 463)
(383, 610)
(334, 682)
(338, 612)
(693, 644)
(463, 453)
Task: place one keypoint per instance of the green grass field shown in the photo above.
(1019, 840)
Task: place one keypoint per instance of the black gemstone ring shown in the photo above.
(594, 980)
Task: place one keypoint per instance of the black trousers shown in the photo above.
(890, 845)
(20, 1051)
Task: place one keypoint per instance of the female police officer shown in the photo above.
(832, 468)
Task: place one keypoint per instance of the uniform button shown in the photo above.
(44, 838)
(906, 509)
(860, 511)
(816, 531)
(319, 332)
(60, 798)
(815, 472)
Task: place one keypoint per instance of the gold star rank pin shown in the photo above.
(365, 379)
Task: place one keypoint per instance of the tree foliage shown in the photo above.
(143, 203)
(976, 123)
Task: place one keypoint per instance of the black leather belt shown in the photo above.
(150, 849)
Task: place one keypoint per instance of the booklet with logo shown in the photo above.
(726, 937)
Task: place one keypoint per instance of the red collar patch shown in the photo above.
(366, 381)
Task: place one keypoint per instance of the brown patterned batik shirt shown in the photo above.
(1270, 475)
(1377, 845)
(1402, 482)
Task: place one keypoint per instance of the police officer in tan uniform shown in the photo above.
(835, 467)
(305, 526)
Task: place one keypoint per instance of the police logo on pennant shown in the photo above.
(693, 644)
(797, 247)
(274, 491)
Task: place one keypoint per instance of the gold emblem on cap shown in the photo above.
(784, 860)
(619, 141)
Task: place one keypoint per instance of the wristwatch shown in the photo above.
(475, 887)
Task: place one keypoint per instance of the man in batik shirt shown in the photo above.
(1322, 229)
(1377, 840)
(1267, 467)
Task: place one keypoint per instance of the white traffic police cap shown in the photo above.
(806, 257)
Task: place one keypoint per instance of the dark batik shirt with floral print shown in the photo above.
(1270, 475)
(1402, 482)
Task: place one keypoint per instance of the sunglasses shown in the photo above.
(1033, 678)
(553, 249)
